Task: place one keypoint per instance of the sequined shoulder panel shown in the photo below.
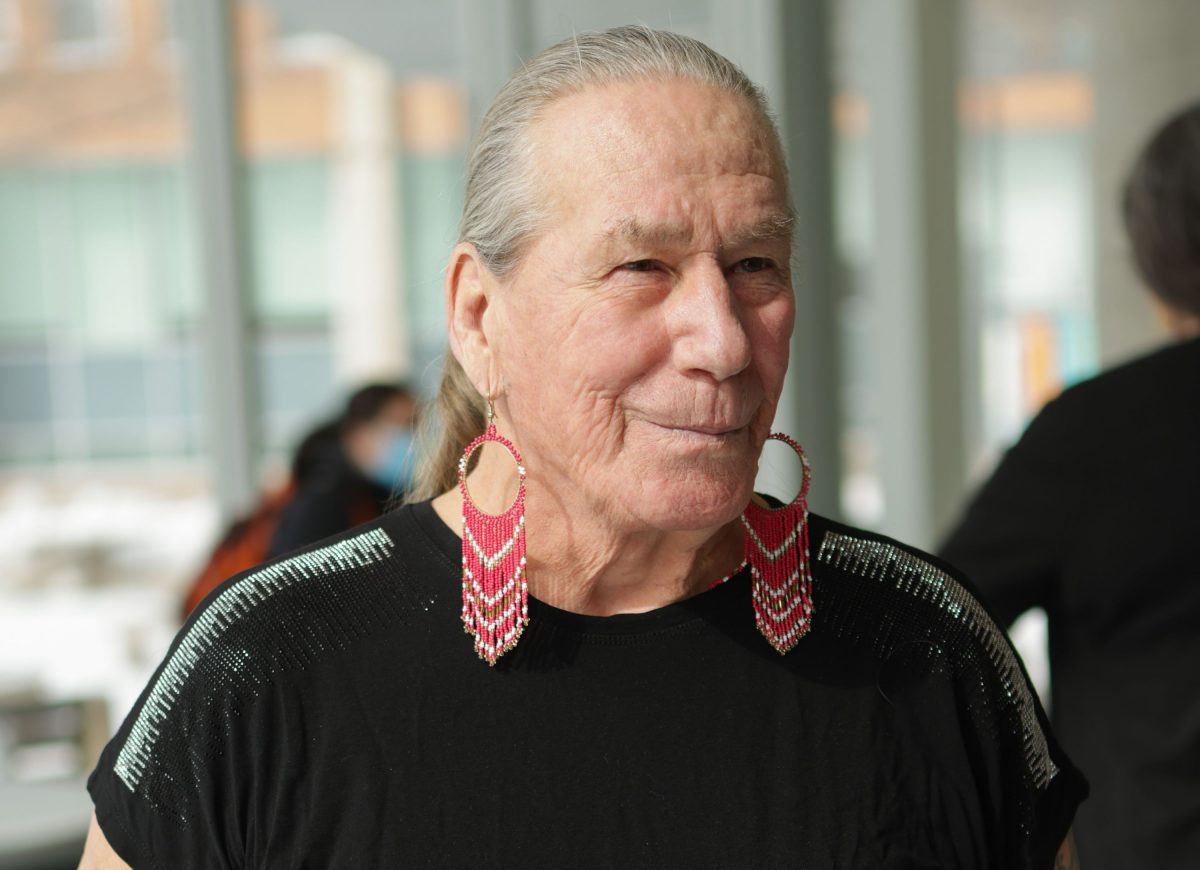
(905, 598)
(220, 653)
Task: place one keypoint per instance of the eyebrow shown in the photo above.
(774, 227)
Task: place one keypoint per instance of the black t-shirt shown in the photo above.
(329, 711)
(1093, 516)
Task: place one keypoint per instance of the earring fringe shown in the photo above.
(494, 588)
(781, 574)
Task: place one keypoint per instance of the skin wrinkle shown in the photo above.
(595, 360)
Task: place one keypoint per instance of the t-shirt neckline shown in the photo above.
(703, 605)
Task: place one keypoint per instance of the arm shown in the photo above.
(1010, 540)
(1067, 858)
(97, 854)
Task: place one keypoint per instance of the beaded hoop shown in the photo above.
(777, 550)
(494, 588)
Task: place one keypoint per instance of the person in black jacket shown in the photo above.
(1093, 517)
(347, 471)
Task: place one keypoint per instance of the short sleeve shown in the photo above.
(186, 779)
(168, 787)
(1028, 786)
(965, 695)
(1032, 789)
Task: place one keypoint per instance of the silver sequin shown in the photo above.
(920, 581)
(205, 634)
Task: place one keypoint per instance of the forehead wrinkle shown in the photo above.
(776, 227)
(772, 228)
(630, 229)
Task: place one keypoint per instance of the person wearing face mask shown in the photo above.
(350, 478)
(345, 472)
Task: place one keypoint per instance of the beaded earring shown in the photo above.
(494, 590)
(777, 550)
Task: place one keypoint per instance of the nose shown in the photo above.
(705, 324)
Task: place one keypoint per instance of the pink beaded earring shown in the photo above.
(495, 593)
(777, 550)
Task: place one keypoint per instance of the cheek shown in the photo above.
(584, 348)
(570, 366)
(770, 335)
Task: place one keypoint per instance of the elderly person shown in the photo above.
(1092, 515)
(660, 669)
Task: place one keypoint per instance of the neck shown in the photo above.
(1181, 324)
(584, 562)
(612, 570)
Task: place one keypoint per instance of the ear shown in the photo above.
(469, 288)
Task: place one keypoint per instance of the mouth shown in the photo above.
(713, 434)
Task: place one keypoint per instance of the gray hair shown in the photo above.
(501, 211)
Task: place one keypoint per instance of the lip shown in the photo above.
(707, 431)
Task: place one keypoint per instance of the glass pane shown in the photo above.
(1026, 115)
(295, 385)
(1024, 185)
(105, 506)
(355, 137)
(86, 32)
(23, 298)
(10, 21)
(25, 386)
(862, 496)
(77, 20)
(289, 207)
(116, 387)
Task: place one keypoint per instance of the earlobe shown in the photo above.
(468, 289)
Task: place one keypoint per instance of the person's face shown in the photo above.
(370, 443)
(642, 342)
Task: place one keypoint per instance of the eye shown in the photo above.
(638, 266)
(753, 264)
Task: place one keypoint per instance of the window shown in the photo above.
(168, 32)
(10, 31)
(85, 31)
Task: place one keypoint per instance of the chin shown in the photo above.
(691, 502)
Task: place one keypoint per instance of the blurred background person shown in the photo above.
(344, 473)
(349, 475)
(1093, 516)
(247, 541)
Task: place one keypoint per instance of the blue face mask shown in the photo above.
(393, 466)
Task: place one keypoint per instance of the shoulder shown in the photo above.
(239, 675)
(236, 638)
(1164, 378)
(900, 576)
(911, 610)
(1172, 366)
(328, 592)
(264, 627)
(946, 666)
(307, 579)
